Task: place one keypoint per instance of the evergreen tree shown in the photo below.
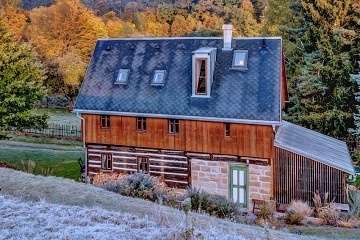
(21, 79)
(322, 90)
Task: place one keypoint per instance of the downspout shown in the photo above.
(84, 145)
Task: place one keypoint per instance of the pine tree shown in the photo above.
(21, 79)
(321, 85)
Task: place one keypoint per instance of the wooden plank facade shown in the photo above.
(173, 167)
(298, 177)
(245, 140)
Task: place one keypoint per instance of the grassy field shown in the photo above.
(57, 161)
(58, 116)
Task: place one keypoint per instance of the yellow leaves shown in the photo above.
(14, 19)
(114, 28)
(63, 27)
(72, 67)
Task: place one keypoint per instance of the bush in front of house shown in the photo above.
(297, 211)
(142, 186)
(214, 205)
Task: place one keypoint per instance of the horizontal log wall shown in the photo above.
(197, 136)
(298, 177)
(171, 166)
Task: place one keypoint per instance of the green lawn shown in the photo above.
(62, 163)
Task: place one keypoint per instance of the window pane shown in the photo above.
(241, 195)
(240, 58)
(201, 81)
(235, 194)
(242, 177)
(159, 76)
(144, 124)
(235, 177)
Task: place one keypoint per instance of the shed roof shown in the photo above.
(250, 95)
(314, 145)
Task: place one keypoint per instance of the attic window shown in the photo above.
(240, 58)
(159, 78)
(200, 68)
(123, 76)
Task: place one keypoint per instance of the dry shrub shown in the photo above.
(267, 210)
(351, 223)
(327, 212)
(142, 186)
(103, 178)
(297, 211)
(329, 215)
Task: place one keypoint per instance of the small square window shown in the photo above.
(141, 124)
(105, 121)
(123, 76)
(173, 126)
(159, 78)
(143, 164)
(240, 58)
(106, 161)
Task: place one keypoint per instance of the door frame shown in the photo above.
(246, 181)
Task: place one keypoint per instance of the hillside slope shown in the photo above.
(37, 207)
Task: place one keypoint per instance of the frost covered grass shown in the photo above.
(38, 207)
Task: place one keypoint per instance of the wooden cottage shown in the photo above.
(200, 111)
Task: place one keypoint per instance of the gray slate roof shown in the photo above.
(314, 145)
(236, 95)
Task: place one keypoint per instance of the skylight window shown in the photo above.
(159, 78)
(123, 76)
(240, 59)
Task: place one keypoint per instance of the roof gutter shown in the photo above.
(195, 118)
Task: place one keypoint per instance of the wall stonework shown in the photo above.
(212, 177)
(259, 182)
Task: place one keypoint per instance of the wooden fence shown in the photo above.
(57, 130)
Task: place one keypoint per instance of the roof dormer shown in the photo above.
(203, 64)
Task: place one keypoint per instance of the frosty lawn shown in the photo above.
(56, 208)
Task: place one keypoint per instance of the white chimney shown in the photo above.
(227, 36)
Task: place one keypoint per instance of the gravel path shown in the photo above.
(26, 145)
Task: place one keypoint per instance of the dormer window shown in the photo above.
(122, 77)
(201, 72)
(203, 65)
(240, 58)
(159, 78)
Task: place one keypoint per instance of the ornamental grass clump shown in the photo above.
(142, 186)
(325, 210)
(297, 211)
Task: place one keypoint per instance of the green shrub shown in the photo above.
(142, 186)
(214, 205)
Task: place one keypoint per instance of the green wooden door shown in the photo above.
(238, 181)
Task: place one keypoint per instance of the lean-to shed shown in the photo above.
(307, 161)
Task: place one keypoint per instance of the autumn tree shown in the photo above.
(21, 80)
(14, 18)
(66, 31)
(244, 20)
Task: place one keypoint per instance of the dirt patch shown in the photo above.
(6, 165)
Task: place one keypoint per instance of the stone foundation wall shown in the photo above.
(212, 177)
(259, 182)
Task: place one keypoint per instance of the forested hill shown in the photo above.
(321, 43)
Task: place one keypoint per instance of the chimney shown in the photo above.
(227, 36)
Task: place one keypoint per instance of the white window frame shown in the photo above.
(122, 81)
(242, 66)
(106, 161)
(157, 73)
